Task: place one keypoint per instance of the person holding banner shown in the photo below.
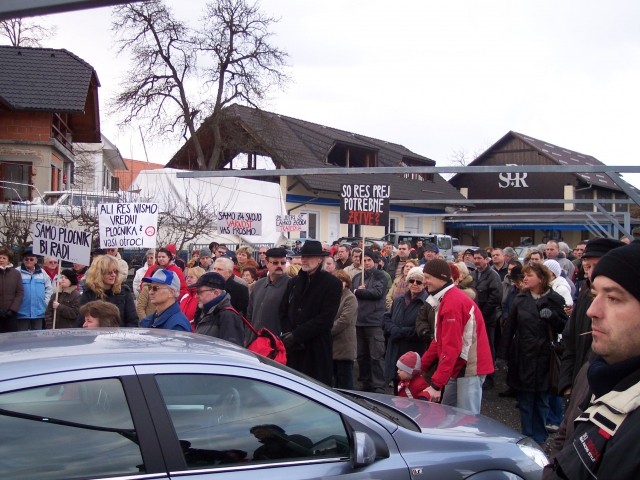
(11, 292)
(105, 283)
(37, 291)
(63, 309)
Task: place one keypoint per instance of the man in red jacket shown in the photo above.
(460, 343)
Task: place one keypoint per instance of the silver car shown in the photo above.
(154, 404)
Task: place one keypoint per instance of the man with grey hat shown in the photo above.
(217, 317)
(163, 294)
(267, 293)
(206, 259)
(307, 311)
(370, 288)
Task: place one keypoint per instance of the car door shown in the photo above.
(228, 422)
(77, 424)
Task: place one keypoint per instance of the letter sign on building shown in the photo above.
(512, 179)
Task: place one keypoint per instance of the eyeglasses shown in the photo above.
(281, 262)
(155, 288)
(202, 292)
(417, 282)
(29, 259)
(54, 262)
(111, 272)
(262, 253)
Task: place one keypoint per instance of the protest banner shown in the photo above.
(128, 225)
(291, 223)
(363, 204)
(62, 243)
(239, 223)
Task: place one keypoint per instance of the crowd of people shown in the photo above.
(391, 318)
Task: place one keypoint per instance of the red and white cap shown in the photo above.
(410, 363)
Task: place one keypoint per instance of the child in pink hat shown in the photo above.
(412, 384)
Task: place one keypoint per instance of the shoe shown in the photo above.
(552, 428)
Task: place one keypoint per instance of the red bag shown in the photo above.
(266, 343)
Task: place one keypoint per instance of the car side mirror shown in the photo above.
(363, 450)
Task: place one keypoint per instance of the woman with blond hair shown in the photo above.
(104, 283)
(189, 301)
(245, 259)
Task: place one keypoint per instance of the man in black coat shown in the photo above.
(576, 337)
(307, 311)
(605, 443)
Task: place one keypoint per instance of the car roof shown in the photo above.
(30, 353)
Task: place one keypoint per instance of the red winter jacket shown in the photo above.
(413, 388)
(460, 338)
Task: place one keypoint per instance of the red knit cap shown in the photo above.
(410, 363)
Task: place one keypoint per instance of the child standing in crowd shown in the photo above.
(412, 384)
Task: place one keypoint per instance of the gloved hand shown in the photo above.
(288, 340)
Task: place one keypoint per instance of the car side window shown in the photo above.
(221, 420)
(70, 430)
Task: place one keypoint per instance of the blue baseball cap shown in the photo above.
(164, 277)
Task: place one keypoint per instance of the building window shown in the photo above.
(352, 157)
(15, 179)
(313, 228)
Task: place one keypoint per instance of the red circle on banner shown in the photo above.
(150, 231)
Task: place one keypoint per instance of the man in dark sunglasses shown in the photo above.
(164, 289)
(267, 293)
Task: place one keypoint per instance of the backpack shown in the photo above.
(266, 343)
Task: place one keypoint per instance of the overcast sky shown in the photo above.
(437, 77)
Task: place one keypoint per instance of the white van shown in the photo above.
(442, 241)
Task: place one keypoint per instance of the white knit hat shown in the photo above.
(554, 267)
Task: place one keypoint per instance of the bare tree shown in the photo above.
(183, 221)
(23, 32)
(228, 59)
(245, 66)
(16, 223)
(163, 54)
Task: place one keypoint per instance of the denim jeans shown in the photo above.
(343, 374)
(556, 410)
(534, 408)
(371, 358)
(465, 393)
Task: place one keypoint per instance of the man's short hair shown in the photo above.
(481, 252)
(226, 262)
(106, 313)
(346, 246)
(407, 244)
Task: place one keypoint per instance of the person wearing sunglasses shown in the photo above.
(266, 297)
(103, 282)
(400, 324)
(164, 288)
(37, 291)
